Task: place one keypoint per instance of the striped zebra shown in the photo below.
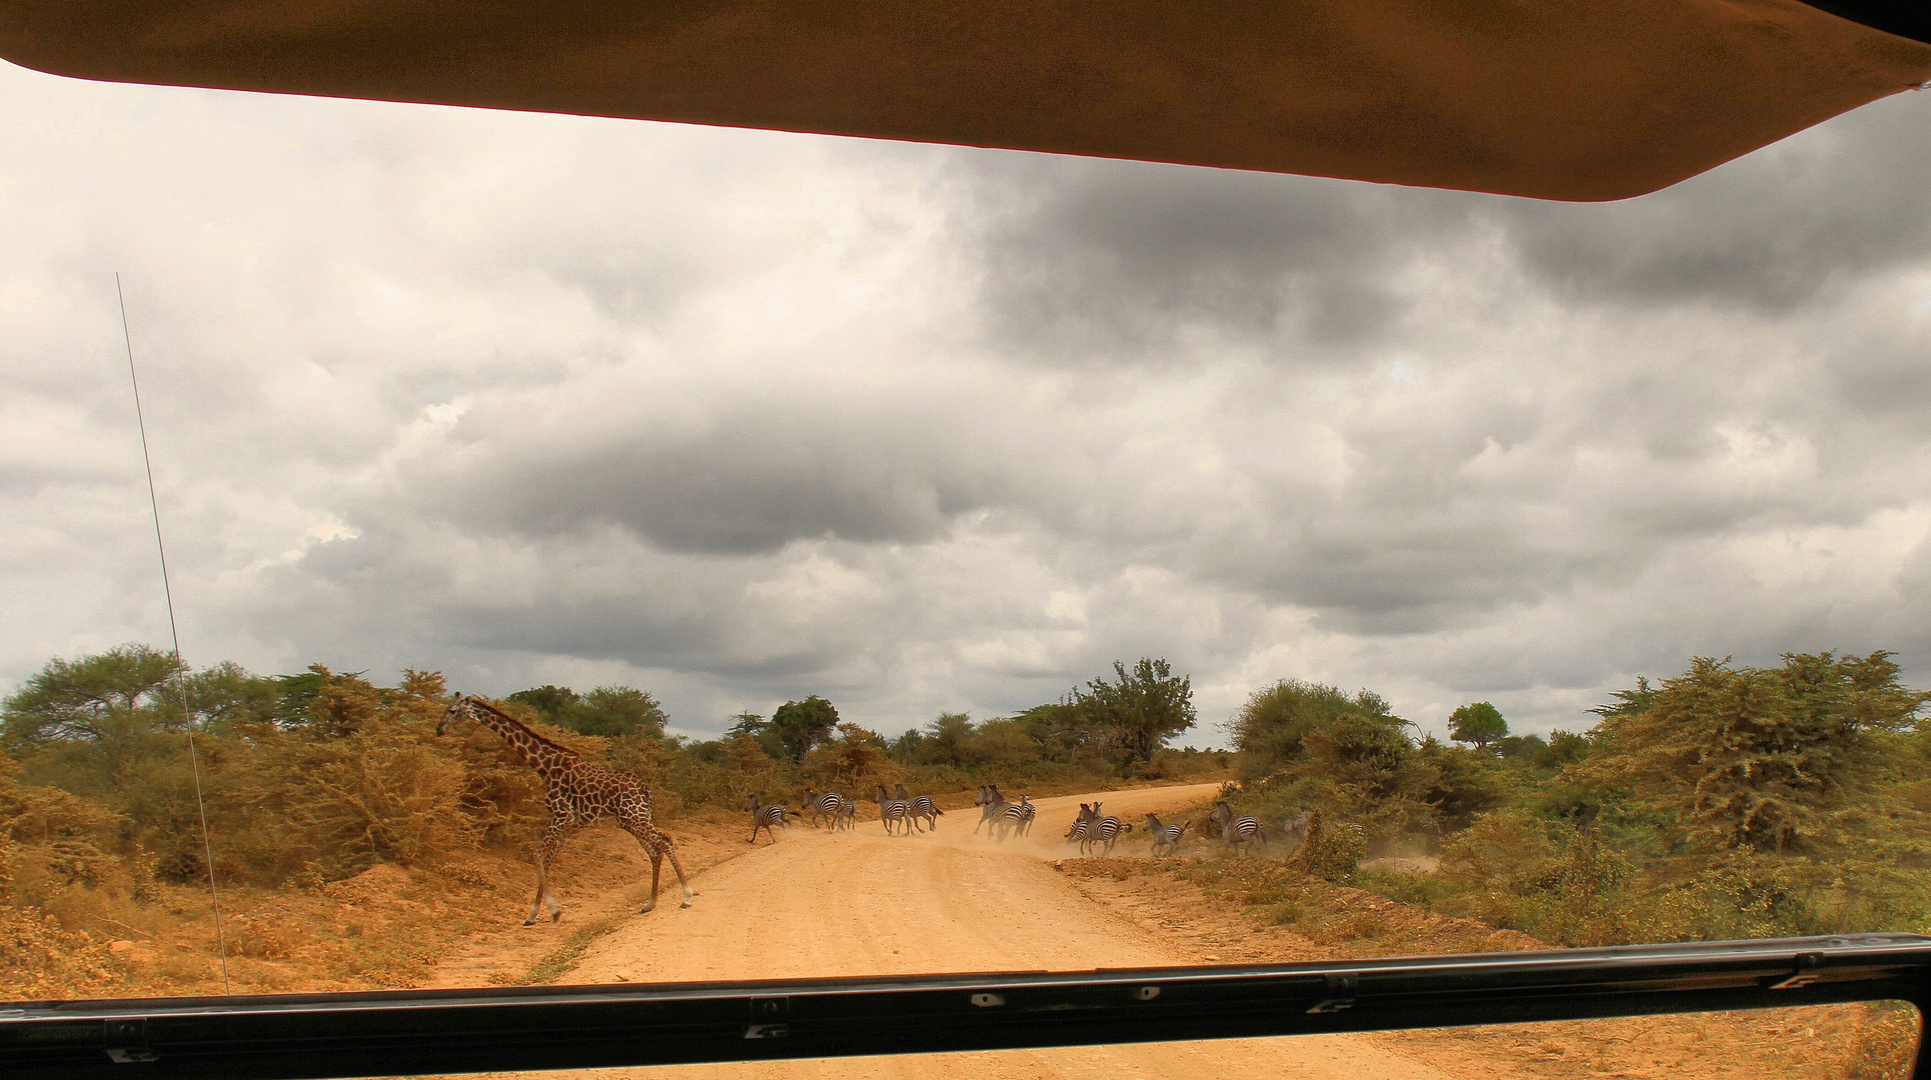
(924, 809)
(989, 802)
(1105, 830)
(847, 816)
(1091, 830)
(893, 812)
(830, 805)
(924, 806)
(1011, 818)
(1027, 811)
(1004, 816)
(1237, 832)
(1081, 824)
(1166, 838)
(764, 817)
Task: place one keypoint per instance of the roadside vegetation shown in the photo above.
(1725, 802)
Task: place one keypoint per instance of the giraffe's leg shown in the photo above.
(660, 847)
(546, 850)
(670, 851)
(656, 866)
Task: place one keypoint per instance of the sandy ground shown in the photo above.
(819, 904)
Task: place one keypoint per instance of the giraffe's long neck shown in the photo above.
(541, 754)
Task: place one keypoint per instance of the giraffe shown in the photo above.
(577, 793)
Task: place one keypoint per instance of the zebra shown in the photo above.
(1081, 825)
(764, 817)
(989, 802)
(830, 805)
(1004, 816)
(1104, 830)
(1027, 811)
(1165, 837)
(1091, 830)
(893, 811)
(924, 806)
(1237, 832)
(1012, 817)
(1295, 828)
(847, 816)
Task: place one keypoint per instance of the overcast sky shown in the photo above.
(740, 417)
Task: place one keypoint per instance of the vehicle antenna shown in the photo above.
(167, 590)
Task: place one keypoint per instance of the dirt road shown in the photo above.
(819, 904)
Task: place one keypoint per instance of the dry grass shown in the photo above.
(389, 927)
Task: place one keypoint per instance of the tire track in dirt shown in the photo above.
(816, 904)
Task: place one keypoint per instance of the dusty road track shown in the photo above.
(816, 904)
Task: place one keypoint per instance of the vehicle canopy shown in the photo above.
(1556, 99)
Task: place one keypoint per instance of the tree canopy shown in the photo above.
(1756, 757)
(1477, 722)
(801, 725)
(611, 711)
(89, 698)
(1272, 728)
(1140, 710)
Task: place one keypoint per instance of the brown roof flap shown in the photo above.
(1559, 99)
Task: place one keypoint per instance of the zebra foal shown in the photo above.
(1166, 838)
(830, 805)
(764, 817)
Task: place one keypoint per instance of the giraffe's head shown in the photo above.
(458, 710)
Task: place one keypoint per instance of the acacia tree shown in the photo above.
(1755, 757)
(100, 715)
(89, 699)
(1271, 730)
(608, 710)
(855, 759)
(801, 725)
(947, 740)
(1479, 723)
(1140, 711)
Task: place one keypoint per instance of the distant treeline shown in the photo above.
(1725, 802)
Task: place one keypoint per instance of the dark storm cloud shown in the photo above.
(1128, 261)
(1114, 260)
(1790, 224)
(746, 477)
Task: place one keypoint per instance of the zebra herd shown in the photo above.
(902, 813)
(1093, 832)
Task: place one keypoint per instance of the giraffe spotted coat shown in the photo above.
(577, 793)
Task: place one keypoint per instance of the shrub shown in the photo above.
(1332, 852)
